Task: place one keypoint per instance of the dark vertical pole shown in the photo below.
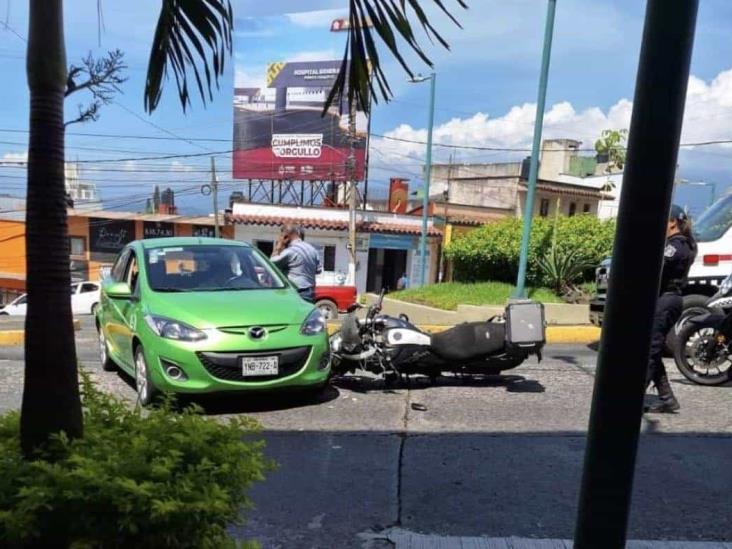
(617, 402)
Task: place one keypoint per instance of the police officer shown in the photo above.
(678, 255)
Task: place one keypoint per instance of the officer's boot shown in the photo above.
(666, 403)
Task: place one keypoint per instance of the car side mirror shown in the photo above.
(118, 290)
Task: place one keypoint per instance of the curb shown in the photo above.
(554, 334)
(11, 338)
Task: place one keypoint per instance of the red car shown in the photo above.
(334, 299)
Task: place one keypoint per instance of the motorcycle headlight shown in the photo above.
(314, 323)
(172, 329)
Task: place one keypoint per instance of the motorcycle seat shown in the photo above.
(470, 340)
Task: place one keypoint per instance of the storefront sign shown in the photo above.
(153, 229)
(108, 236)
(392, 241)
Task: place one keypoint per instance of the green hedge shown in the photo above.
(138, 478)
(492, 251)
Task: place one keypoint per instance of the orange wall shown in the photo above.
(12, 242)
(12, 247)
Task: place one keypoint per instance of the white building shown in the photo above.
(387, 244)
(83, 193)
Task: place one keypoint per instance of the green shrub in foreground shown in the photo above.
(158, 478)
(492, 251)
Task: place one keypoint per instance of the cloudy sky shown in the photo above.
(486, 91)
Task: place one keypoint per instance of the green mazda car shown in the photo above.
(200, 315)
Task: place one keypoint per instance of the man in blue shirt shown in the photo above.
(298, 260)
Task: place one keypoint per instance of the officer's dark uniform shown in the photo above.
(678, 256)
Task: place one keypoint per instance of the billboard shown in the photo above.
(285, 67)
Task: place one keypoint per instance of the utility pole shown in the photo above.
(351, 194)
(622, 364)
(535, 149)
(342, 25)
(215, 193)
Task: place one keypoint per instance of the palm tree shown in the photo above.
(192, 36)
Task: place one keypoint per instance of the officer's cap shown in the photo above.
(677, 213)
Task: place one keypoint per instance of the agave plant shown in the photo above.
(562, 268)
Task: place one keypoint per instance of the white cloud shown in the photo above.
(246, 79)
(708, 117)
(19, 157)
(316, 19)
(315, 55)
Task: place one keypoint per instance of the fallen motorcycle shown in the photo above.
(393, 347)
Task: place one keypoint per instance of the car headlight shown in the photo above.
(314, 323)
(172, 329)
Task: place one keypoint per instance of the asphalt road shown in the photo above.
(494, 457)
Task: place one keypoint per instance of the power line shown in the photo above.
(119, 136)
(154, 125)
(13, 31)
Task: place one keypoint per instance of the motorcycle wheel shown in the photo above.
(690, 359)
(693, 305)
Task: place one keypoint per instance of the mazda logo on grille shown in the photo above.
(257, 332)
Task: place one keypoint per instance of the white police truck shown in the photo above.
(713, 232)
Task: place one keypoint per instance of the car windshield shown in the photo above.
(209, 268)
(715, 221)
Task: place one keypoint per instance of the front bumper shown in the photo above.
(213, 365)
(597, 311)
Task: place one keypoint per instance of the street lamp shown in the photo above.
(711, 185)
(427, 174)
(520, 291)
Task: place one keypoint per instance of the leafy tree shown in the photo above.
(612, 145)
(191, 36)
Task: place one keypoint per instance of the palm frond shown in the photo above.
(190, 36)
(391, 23)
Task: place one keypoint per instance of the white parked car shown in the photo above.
(16, 307)
(85, 297)
(84, 300)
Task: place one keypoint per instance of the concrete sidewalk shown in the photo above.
(403, 539)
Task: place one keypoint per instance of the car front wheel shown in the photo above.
(146, 391)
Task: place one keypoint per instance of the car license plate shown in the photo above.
(259, 366)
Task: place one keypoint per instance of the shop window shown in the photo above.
(572, 208)
(329, 258)
(544, 207)
(78, 245)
